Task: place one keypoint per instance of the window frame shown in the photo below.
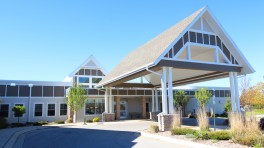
(60, 109)
(35, 110)
(8, 115)
(95, 102)
(47, 109)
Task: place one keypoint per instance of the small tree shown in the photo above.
(180, 99)
(75, 99)
(228, 105)
(203, 96)
(19, 111)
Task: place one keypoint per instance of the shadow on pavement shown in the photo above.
(79, 138)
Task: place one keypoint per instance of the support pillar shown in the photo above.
(153, 101)
(106, 101)
(143, 104)
(237, 100)
(170, 91)
(232, 90)
(117, 107)
(156, 100)
(111, 101)
(164, 91)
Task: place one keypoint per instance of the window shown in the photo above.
(2, 90)
(36, 91)
(63, 109)
(193, 37)
(18, 105)
(206, 39)
(96, 80)
(38, 110)
(212, 40)
(4, 110)
(51, 110)
(199, 38)
(23, 91)
(94, 106)
(47, 91)
(83, 79)
(12, 91)
(59, 91)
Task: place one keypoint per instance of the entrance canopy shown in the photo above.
(195, 49)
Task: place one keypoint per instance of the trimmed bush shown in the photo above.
(89, 121)
(154, 128)
(201, 135)
(182, 131)
(96, 119)
(40, 123)
(3, 123)
(219, 135)
(60, 122)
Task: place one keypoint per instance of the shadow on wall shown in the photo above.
(81, 138)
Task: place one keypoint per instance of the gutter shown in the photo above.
(156, 73)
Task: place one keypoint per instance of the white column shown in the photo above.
(170, 91)
(156, 100)
(164, 91)
(106, 101)
(111, 107)
(153, 101)
(232, 90)
(236, 92)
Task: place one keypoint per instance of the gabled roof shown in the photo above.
(91, 63)
(151, 53)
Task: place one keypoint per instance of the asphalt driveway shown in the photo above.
(110, 135)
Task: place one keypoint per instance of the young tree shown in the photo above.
(228, 105)
(75, 99)
(180, 99)
(203, 96)
(19, 111)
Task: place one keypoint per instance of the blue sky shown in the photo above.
(47, 40)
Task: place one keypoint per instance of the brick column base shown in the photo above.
(165, 121)
(108, 117)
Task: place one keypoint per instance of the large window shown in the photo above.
(51, 110)
(63, 109)
(38, 110)
(83, 79)
(4, 110)
(18, 105)
(94, 106)
(96, 80)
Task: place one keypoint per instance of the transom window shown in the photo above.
(94, 106)
(83, 80)
(96, 80)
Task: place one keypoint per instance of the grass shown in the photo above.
(255, 112)
(202, 119)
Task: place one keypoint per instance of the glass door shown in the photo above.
(123, 110)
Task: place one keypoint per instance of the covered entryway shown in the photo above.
(196, 49)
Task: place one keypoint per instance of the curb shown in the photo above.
(11, 141)
(176, 141)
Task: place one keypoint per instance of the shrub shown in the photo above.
(182, 131)
(176, 123)
(201, 135)
(202, 119)
(219, 135)
(245, 132)
(96, 119)
(40, 123)
(89, 121)
(69, 120)
(154, 128)
(60, 122)
(3, 123)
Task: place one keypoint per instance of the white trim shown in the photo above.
(47, 109)
(34, 107)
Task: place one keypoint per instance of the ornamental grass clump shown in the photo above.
(244, 131)
(202, 119)
(154, 128)
(176, 122)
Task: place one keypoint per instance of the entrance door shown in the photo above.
(123, 109)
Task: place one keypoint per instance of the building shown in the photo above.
(194, 50)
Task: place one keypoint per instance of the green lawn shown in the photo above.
(256, 112)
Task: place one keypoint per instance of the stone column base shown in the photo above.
(153, 116)
(108, 117)
(165, 122)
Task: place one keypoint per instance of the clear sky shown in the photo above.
(48, 39)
